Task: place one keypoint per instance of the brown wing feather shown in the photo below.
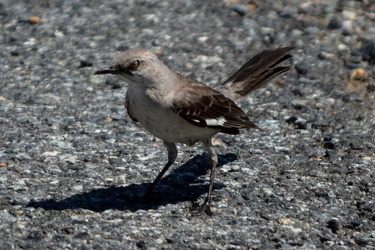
(205, 107)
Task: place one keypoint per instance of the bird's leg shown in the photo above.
(172, 154)
(206, 206)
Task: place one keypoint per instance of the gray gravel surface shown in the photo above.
(73, 167)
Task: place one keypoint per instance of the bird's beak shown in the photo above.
(106, 71)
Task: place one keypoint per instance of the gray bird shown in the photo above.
(178, 109)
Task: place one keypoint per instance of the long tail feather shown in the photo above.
(256, 72)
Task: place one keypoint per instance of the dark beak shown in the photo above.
(106, 71)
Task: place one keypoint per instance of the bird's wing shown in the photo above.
(205, 107)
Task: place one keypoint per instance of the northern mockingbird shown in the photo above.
(178, 109)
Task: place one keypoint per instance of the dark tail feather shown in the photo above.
(257, 72)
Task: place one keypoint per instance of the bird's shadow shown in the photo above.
(182, 184)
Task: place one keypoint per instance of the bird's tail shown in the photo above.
(256, 72)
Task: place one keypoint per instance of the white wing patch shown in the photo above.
(216, 122)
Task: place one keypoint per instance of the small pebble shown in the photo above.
(85, 63)
(77, 187)
(34, 20)
(334, 23)
(300, 123)
(290, 119)
(241, 9)
(370, 88)
(325, 55)
(299, 104)
(342, 47)
(327, 137)
(349, 15)
(203, 39)
(301, 68)
(54, 182)
(235, 167)
(282, 149)
(347, 27)
(368, 52)
(268, 191)
(329, 145)
(286, 221)
(359, 75)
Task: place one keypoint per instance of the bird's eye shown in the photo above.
(134, 65)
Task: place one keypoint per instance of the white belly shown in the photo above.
(164, 123)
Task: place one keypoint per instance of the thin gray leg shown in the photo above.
(172, 154)
(206, 206)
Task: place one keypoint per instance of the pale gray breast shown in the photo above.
(163, 122)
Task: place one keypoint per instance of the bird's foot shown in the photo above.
(205, 207)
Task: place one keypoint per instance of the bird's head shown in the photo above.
(135, 67)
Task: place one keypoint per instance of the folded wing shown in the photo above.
(205, 107)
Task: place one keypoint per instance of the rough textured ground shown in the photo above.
(73, 167)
